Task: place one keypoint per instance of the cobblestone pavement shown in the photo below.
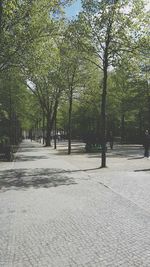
(63, 211)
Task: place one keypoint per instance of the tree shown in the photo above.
(22, 24)
(45, 82)
(71, 66)
(106, 29)
(14, 96)
(87, 111)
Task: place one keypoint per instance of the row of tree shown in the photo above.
(90, 74)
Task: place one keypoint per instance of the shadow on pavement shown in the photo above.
(21, 158)
(110, 154)
(113, 155)
(33, 149)
(121, 152)
(136, 158)
(37, 178)
(77, 151)
(144, 170)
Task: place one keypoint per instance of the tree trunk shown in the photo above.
(148, 108)
(48, 131)
(10, 118)
(1, 13)
(140, 126)
(43, 127)
(69, 122)
(54, 122)
(122, 128)
(103, 116)
(55, 132)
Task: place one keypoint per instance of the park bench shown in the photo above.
(6, 152)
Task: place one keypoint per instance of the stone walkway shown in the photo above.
(63, 211)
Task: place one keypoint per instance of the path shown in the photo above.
(62, 211)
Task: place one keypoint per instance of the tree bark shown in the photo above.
(10, 118)
(104, 93)
(103, 116)
(1, 13)
(48, 131)
(55, 132)
(43, 127)
(122, 128)
(50, 122)
(140, 125)
(69, 122)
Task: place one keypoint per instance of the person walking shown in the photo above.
(146, 143)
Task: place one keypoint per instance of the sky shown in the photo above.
(74, 9)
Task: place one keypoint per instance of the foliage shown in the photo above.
(94, 70)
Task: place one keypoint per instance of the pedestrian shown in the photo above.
(111, 139)
(146, 143)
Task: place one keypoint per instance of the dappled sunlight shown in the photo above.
(37, 178)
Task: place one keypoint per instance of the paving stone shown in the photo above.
(54, 214)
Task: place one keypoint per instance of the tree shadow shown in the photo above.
(36, 178)
(119, 153)
(76, 148)
(135, 158)
(21, 158)
(108, 155)
(64, 152)
(143, 170)
(34, 149)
